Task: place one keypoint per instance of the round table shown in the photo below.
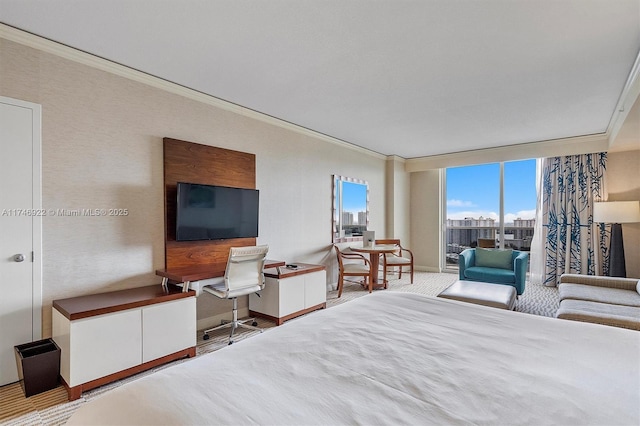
(374, 257)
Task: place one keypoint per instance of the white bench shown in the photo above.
(488, 294)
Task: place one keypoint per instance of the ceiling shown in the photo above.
(405, 78)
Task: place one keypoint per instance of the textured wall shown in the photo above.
(425, 219)
(398, 203)
(623, 184)
(102, 148)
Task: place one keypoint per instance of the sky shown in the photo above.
(354, 198)
(474, 191)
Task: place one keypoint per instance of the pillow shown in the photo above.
(492, 258)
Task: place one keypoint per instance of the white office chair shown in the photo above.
(244, 275)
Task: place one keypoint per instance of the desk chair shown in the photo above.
(400, 258)
(243, 276)
(346, 269)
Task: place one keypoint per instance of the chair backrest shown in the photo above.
(486, 243)
(349, 256)
(339, 255)
(388, 241)
(245, 267)
(391, 241)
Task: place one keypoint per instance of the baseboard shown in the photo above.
(427, 268)
(215, 320)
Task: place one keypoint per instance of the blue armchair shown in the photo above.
(492, 269)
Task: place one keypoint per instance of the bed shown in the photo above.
(396, 358)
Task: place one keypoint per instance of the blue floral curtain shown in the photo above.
(566, 240)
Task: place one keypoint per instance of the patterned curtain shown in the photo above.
(566, 240)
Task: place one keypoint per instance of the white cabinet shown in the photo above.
(97, 346)
(289, 293)
(168, 327)
(315, 289)
(105, 337)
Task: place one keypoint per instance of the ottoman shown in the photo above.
(488, 294)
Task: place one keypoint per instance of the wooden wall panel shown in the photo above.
(208, 165)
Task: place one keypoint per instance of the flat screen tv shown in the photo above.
(207, 212)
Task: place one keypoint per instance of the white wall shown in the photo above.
(425, 220)
(102, 148)
(398, 202)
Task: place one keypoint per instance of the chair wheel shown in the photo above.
(255, 323)
(205, 337)
(230, 342)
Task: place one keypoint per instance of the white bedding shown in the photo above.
(396, 358)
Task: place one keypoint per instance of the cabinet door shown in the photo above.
(104, 345)
(267, 302)
(315, 288)
(291, 295)
(168, 328)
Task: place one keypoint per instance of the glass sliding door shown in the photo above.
(473, 208)
(519, 203)
(489, 205)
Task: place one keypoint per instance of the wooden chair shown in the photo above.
(352, 269)
(400, 258)
(486, 242)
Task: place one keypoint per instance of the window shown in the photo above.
(489, 205)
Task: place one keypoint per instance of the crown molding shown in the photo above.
(627, 98)
(48, 46)
(564, 146)
(550, 148)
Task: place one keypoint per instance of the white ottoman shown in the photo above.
(496, 295)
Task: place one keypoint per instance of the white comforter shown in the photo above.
(396, 358)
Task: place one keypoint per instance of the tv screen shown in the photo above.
(206, 212)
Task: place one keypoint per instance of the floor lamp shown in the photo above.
(616, 213)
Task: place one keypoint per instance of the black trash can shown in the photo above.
(38, 366)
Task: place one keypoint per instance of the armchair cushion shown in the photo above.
(356, 268)
(397, 260)
(600, 281)
(491, 258)
(600, 313)
(613, 296)
(490, 275)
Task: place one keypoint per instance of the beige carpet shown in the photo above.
(52, 407)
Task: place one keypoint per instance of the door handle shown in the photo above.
(18, 257)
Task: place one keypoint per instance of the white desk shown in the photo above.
(195, 277)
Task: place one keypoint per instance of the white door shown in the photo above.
(20, 231)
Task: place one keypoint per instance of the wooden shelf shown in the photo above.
(281, 271)
(103, 303)
(203, 272)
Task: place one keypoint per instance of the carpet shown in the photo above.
(53, 408)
